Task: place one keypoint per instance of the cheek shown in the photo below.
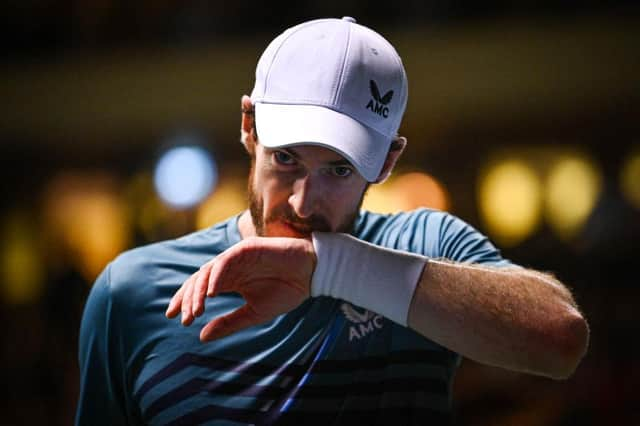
(342, 202)
(274, 191)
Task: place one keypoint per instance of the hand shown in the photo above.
(273, 275)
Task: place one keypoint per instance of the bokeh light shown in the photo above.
(184, 176)
(90, 216)
(228, 199)
(407, 192)
(21, 268)
(630, 179)
(420, 190)
(379, 198)
(149, 213)
(510, 197)
(572, 189)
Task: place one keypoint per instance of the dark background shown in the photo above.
(93, 90)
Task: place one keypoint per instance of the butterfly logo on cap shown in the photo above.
(379, 103)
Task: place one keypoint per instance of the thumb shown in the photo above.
(224, 325)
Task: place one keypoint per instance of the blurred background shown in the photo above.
(120, 126)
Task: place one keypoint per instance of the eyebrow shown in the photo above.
(341, 162)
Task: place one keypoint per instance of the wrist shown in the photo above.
(379, 279)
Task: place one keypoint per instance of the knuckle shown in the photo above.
(251, 250)
(252, 244)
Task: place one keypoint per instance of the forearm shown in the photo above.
(512, 318)
(509, 317)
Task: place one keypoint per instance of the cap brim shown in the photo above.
(282, 125)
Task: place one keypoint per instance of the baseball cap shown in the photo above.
(332, 83)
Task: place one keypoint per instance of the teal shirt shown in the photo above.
(326, 362)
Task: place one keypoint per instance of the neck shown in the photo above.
(245, 225)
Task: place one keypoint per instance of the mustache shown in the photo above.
(314, 223)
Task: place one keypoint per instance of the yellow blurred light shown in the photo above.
(100, 234)
(510, 197)
(91, 218)
(420, 190)
(147, 210)
(630, 180)
(228, 199)
(379, 199)
(21, 268)
(573, 187)
(406, 192)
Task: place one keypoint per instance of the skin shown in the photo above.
(294, 191)
(515, 318)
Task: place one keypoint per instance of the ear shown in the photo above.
(398, 145)
(247, 126)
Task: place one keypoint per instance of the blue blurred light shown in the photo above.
(184, 176)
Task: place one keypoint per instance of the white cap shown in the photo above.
(333, 83)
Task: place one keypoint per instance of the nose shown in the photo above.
(305, 196)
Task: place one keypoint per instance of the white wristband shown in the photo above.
(376, 278)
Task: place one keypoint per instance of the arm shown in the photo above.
(509, 317)
(513, 318)
(101, 399)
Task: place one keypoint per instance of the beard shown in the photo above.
(284, 213)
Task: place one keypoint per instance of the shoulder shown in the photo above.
(434, 233)
(152, 270)
(135, 288)
(420, 225)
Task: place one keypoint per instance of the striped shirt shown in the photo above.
(326, 362)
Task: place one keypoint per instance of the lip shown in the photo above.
(303, 232)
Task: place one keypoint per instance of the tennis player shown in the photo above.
(304, 308)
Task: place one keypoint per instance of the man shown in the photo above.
(305, 309)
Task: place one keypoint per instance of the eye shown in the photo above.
(342, 171)
(283, 157)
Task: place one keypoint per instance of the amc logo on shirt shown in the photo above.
(363, 323)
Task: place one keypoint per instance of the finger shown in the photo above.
(211, 282)
(213, 278)
(221, 278)
(224, 325)
(187, 313)
(200, 289)
(175, 303)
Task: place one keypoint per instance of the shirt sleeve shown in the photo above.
(102, 399)
(461, 242)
